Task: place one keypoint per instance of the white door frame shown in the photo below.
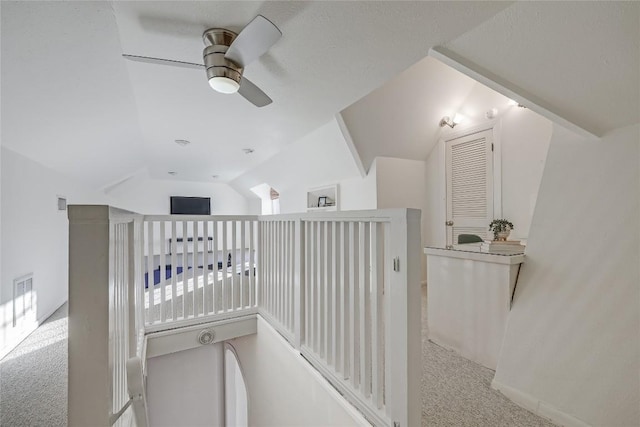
(495, 126)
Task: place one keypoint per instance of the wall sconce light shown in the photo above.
(446, 121)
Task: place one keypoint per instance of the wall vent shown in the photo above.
(23, 300)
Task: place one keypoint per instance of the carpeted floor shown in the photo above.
(455, 391)
(33, 377)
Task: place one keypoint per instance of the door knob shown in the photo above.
(449, 223)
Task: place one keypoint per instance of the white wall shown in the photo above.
(283, 388)
(35, 235)
(524, 140)
(402, 183)
(572, 344)
(436, 197)
(320, 158)
(186, 388)
(151, 196)
(360, 193)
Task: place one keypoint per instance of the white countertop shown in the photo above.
(497, 258)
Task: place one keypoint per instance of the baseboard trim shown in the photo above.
(538, 407)
(15, 341)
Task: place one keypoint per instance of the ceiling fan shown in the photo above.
(225, 56)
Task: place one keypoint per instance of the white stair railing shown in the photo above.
(343, 288)
(103, 324)
(196, 269)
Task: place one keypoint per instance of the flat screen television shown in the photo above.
(190, 205)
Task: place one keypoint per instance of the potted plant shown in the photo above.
(501, 229)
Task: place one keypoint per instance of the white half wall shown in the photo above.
(151, 196)
(187, 388)
(283, 388)
(35, 237)
(571, 350)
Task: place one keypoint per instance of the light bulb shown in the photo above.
(459, 118)
(224, 84)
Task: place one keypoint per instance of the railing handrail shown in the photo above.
(360, 215)
(200, 217)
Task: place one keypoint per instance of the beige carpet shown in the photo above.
(33, 377)
(457, 392)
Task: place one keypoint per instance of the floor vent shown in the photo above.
(23, 300)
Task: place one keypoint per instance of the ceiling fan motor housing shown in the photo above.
(218, 41)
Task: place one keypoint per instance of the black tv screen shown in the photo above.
(190, 205)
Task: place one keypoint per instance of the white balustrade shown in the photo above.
(103, 322)
(325, 281)
(328, 285)
(197, 268)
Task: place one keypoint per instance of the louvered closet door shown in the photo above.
(469, 168)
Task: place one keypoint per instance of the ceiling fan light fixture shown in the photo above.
(224, 84)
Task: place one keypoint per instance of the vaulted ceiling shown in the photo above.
(71, 102)
(579, 59)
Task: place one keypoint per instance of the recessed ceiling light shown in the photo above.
(248, 150)
(182, 142)
(172, 173)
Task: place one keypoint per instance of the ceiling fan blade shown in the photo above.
(253, 41)
(253, 93)
(161, 61)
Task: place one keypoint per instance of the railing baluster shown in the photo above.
(313, 294)
(365, 311)
(307, 282)
(206, 288)
(274, 267)
(320, 287)
(335, 296)
(377, 342)
(286, 286)
(243, 263)
(174, 272)
(292, 274)
(185, 270)
(163, 273)
(326, 284)
(277, 265)
(252, 268)
(150, 274)
(285, 275)
(140, 291)
(216, 276)
(268, 253)
(194, 269)
(354, 315)
(225, 267)
(234, 266)
(345, 305)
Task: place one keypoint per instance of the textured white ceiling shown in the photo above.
(581, 59)
(71, 102)
(66, 97)
(400, 119)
